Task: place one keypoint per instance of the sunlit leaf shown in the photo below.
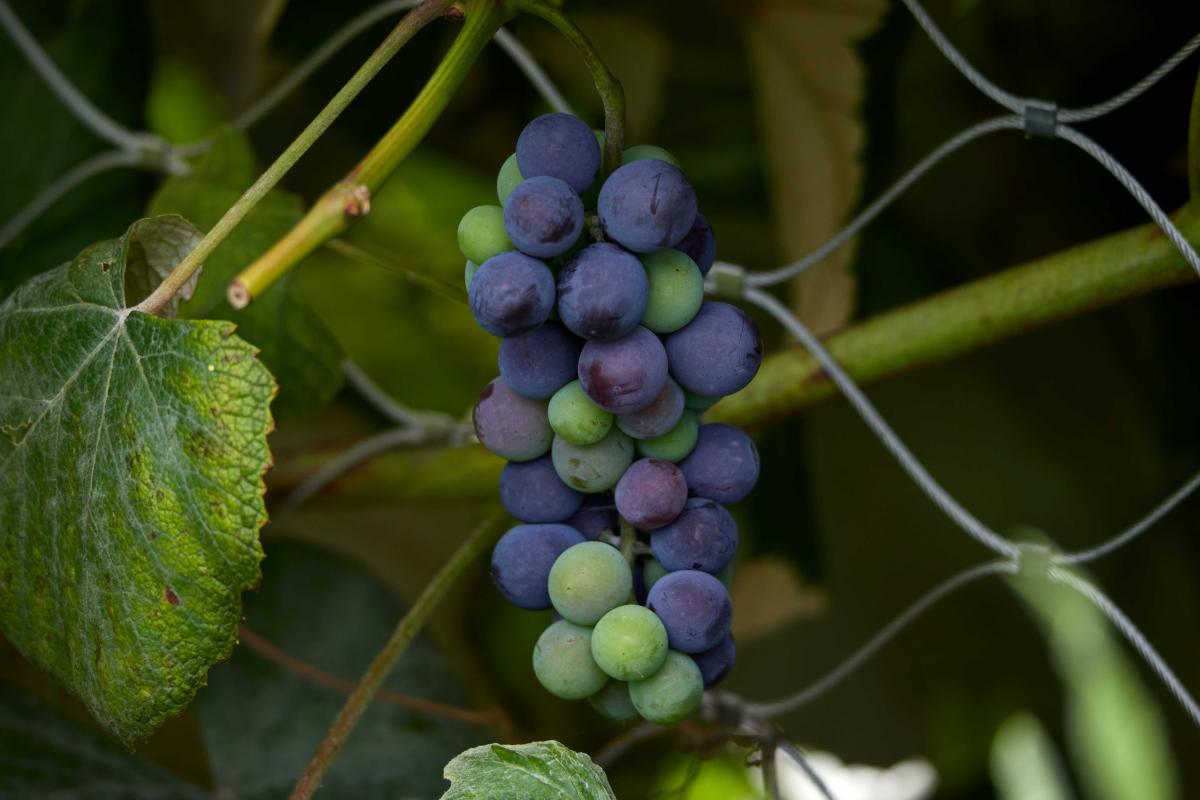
(535, 771)
(809, 90)
(768, 595)
(132, 450)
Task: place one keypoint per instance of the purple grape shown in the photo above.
(723, 466)
(511, 426)
(602, 292)
(532, 492)
(543, 217)
(700, 244)
(539, 363)
(716, 353)
(656, 419)
(646, 205)
(651, 493)
(716, 663)
(694, 607)
(511, 294)
(703, 537)
(522, 559)
(625, 375)
(561, 146)
(596, 517)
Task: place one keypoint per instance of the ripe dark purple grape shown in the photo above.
(624, 375)
(522, 559)
(561, 146)
(716, 663)
(700, 244)
(647, 205)
(694, 607)
(602, 292)
(723, 466)
(596, 517)
(532, 492)
(539, 363)
(656, 419)
(511, 426)
(704, 537)
(651, 493)
(511, 294)
(717, 353)
(543, 217)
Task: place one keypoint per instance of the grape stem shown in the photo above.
(408, 26)
(476, 543)
(628, 541)
(612, 95)
(350, 197)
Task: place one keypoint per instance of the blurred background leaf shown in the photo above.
(1025, 763)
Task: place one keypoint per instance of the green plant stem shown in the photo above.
(412, 22)
(628, 540)
(959, 320)
(406, 630)
(1194, 147)
(351, 196)
(607, 85)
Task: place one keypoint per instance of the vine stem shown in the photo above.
(412, 22)
(612, 95)
(351, 196)
(628, 540)
(406, 630)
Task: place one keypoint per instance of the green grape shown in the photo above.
(629, 643)
(698, 402)
(676, 290)
(575, 418)
(594, 467)
(670, 695)
(641, 151)
(675, 444)
(509, 178)
(469, 272)
(613, 702)
(588, 580)
(481, 233)
(562, 661)
(651, 572)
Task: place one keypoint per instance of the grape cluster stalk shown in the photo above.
(609, 357)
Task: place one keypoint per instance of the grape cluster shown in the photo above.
(609, 355)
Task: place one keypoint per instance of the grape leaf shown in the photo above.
(809, 86)
(262, 723)
(132, 450)
(534, 771)
(293, 341)
(43, 754)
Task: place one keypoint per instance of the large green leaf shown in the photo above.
(262, 723)
(294, 343)
(132, 450)
(43, 754)
(534, 771)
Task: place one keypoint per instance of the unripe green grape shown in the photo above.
(469, 272)
(698, 402)
(594, 467)
(481, 233)
(588, 580)
(651, 572)
(613, 702)
(676, 290)
(563, 664)
(675, 444)
(629, 643)
(670, 695)
(641, 151)
(575, 418)
(509, 178)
